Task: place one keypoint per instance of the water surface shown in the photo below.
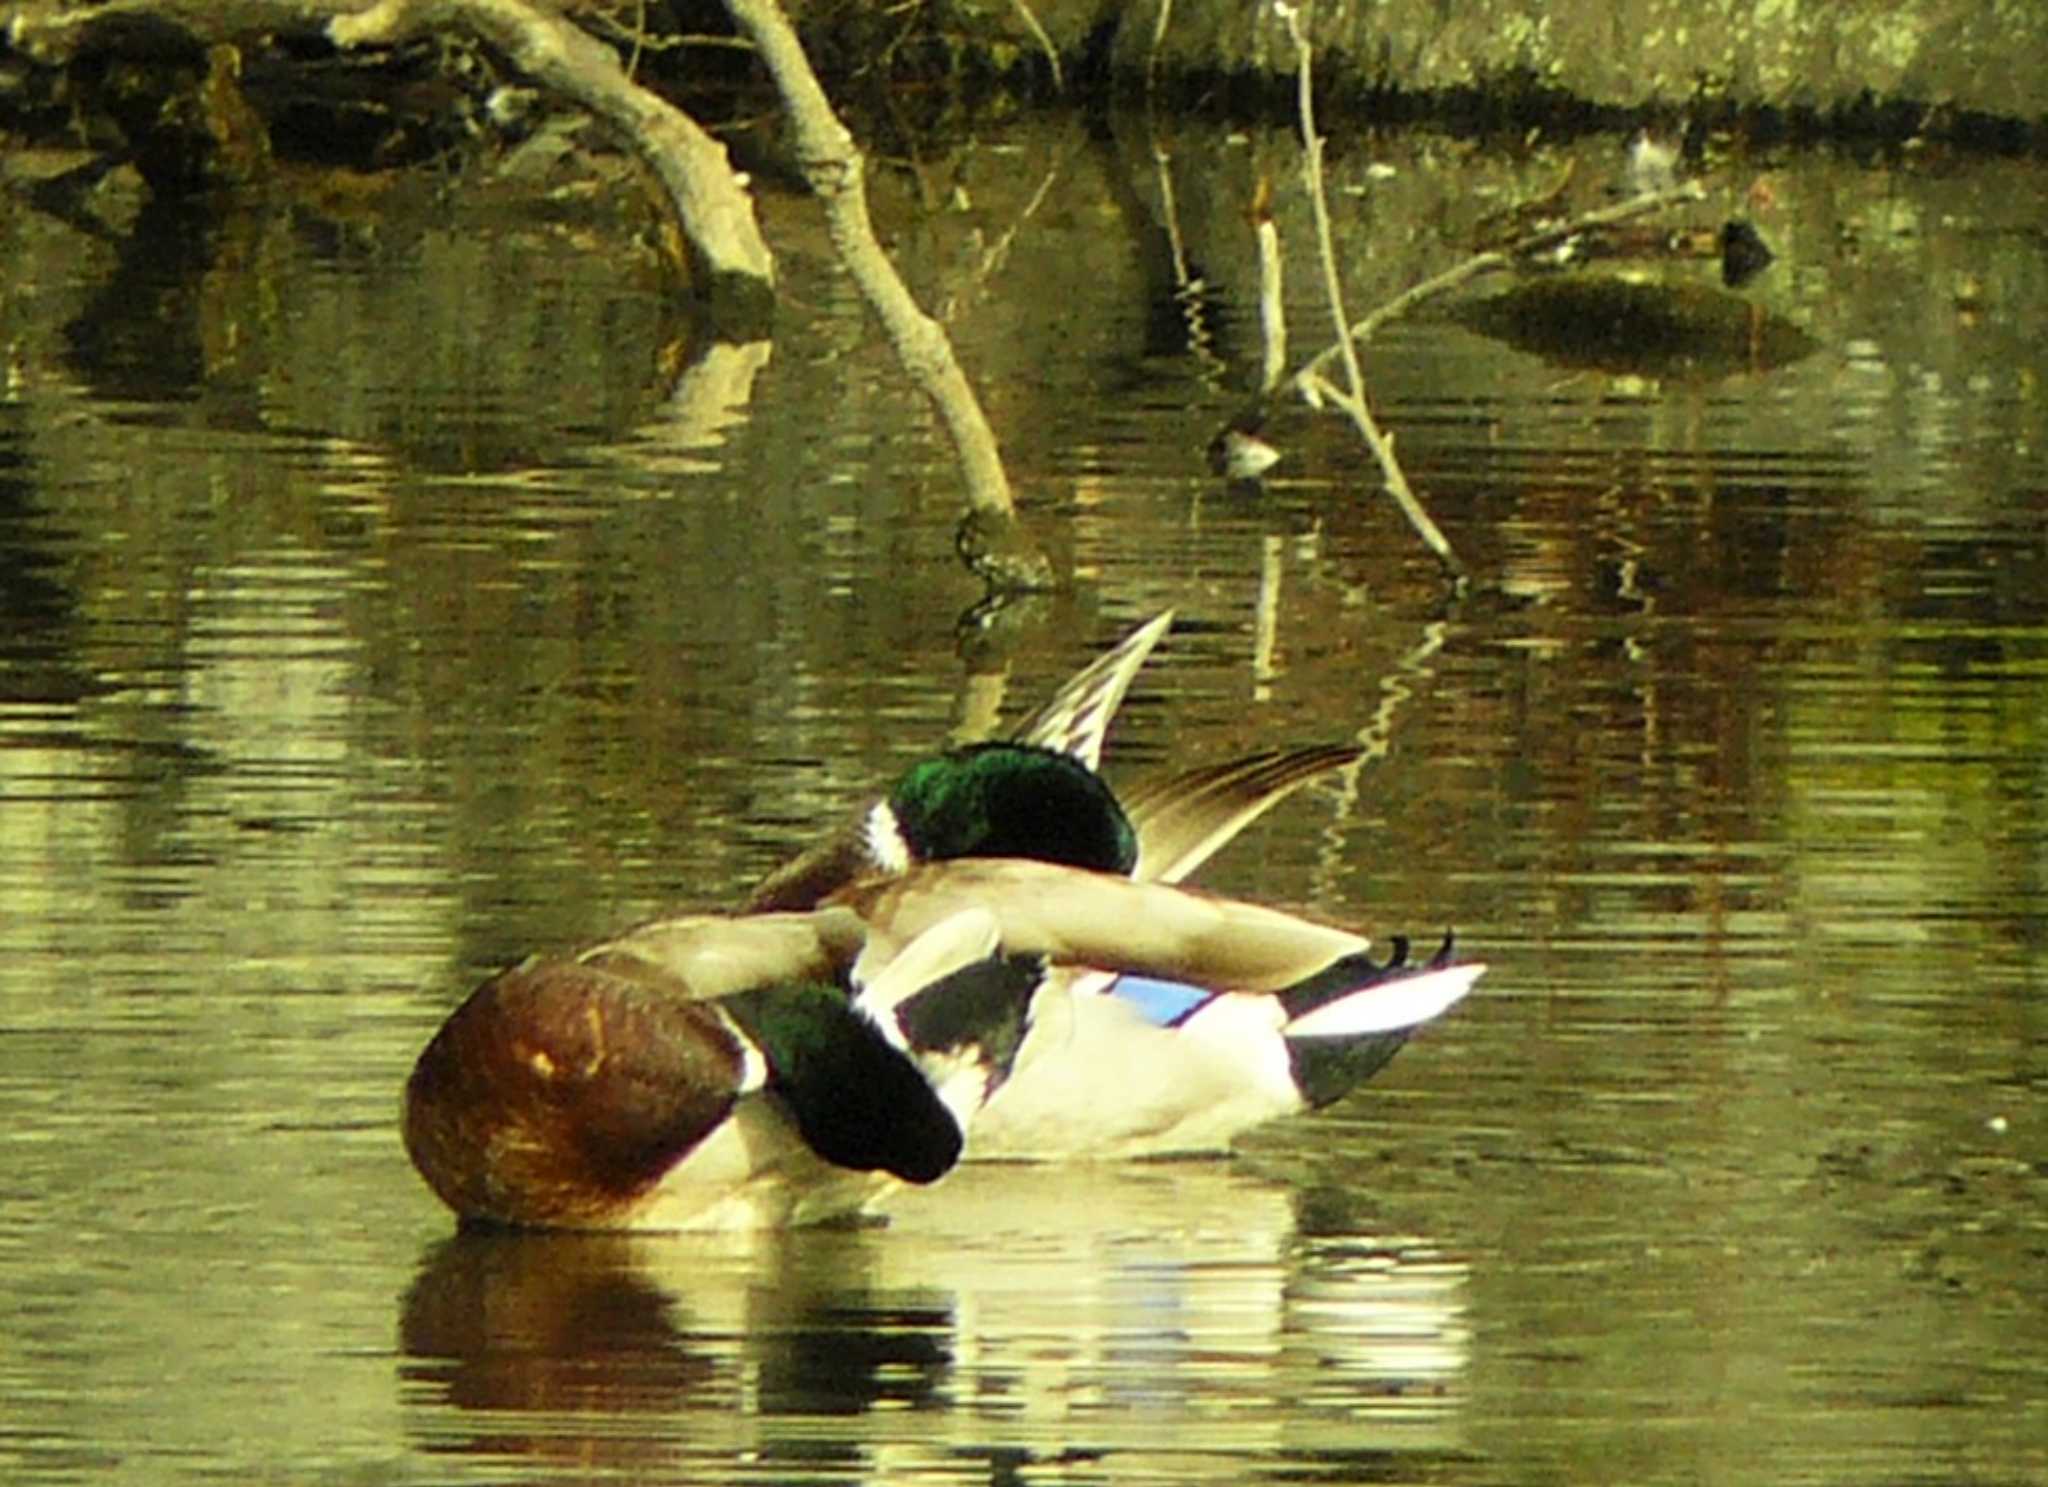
(383, 600)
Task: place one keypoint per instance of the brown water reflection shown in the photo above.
(342, 662)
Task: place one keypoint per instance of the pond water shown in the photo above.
(392, 590)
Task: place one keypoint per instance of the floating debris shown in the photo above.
(1239, 454)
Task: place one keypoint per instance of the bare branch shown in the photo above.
(832, 163)
(1350, 398)
(715, 213)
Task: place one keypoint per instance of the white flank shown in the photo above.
(960, 1080)
(1095, 1081)
(1389, 1007)
(754, 1172)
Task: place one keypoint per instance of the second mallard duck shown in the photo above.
(1124, 1065)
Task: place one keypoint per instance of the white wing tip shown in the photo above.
(1391, 1006)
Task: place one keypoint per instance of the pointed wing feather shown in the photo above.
(1386, 1001)
(1183, 819)
(1076, 720)
(1348, 1021)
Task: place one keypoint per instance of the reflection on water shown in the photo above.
(348, 653)
(1143, 1321)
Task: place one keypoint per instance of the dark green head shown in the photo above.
(858, 1101)
(1003, 800)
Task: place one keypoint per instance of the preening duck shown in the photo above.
(712, 1071)
(708, 1071)
(1144, 1037)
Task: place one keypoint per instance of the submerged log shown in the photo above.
(1598, 322)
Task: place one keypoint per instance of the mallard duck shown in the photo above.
(722, 1071)
(1192, 1071)
(992, 951)
(1166, 1021)
(879, 838)
(687, 1073)
(714, 1071)
(995, 801)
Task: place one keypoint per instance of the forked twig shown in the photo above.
(1351, 397)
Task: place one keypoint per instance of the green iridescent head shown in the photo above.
(1004, 800)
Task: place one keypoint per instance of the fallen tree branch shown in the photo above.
(991, 541)
(711, 205)
(712, 210)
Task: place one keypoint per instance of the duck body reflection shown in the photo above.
(1139, 1319)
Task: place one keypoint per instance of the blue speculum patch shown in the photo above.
(1161, 1002)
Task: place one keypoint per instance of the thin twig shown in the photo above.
(836, 170)
(1351, 398)
(1188, 286)
(1397, 685)
(1052, 53)
(998, 252)
(1159, 26)
(1272, 296)
(639, 39)
(644, 40)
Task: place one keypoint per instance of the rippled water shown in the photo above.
(380, 604)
